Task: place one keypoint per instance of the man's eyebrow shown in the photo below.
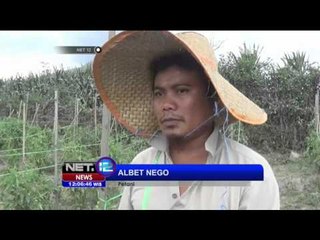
(174, 86)
(158, 88)
(181, 85)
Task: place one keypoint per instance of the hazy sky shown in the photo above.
(32, 51)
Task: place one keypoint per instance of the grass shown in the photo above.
(298, 181)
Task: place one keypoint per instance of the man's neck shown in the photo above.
(190, 150)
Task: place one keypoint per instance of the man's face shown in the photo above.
(180, 103)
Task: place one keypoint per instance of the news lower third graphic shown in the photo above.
(87, 174)
(78, 49)
(106, 171)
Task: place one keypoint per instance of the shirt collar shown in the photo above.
(159, 141)
(212, 141)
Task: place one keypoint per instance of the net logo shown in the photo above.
(88, 174)
(80, 167)
(106, 166)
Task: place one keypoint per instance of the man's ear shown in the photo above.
(212, 95)
(211, 102)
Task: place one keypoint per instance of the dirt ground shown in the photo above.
(299, 182)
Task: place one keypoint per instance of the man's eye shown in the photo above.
(157, 94)
(182, 91)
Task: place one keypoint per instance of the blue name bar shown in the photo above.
(187, 172)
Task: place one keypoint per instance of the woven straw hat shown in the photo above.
(124, 80)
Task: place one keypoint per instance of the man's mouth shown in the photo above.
(170, 119)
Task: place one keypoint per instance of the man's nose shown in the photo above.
(169, 104)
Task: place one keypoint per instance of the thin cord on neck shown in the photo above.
(216, 114)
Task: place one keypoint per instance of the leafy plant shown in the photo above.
(26, 190)
(313, 148)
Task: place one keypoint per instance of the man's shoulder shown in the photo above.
(146, 156)
(243, 154)
(246, 154)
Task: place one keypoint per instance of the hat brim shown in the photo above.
(124, 80)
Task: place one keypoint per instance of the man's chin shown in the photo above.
(173, 134)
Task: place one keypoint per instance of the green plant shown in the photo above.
(26, 190)
(110, 199)
(77, 198)
(313, 148)
(38, 142)
(124, 146)
(237, 133)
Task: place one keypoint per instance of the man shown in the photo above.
(191, 104)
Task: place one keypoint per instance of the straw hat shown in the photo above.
(123, 77)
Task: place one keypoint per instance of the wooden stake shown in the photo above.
(76, 113)
(27, 105)
(106, 122)
(11, 112)
(35, 114)
(316, 109)
(24, 135)
(55, 129)
(239, 129)
(95, 116)
(19, 109)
